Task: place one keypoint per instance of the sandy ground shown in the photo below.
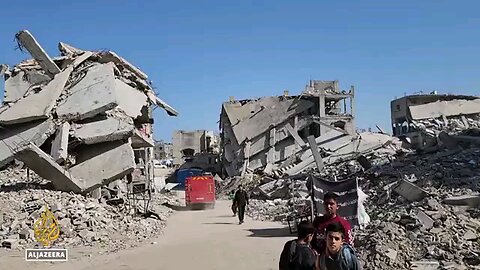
(209, 239)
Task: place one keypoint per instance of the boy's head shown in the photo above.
(330, 203)
(335, 235)
(305, 231)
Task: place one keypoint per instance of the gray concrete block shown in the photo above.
(93, 95)
(425, 220)
(59, 151)
(91, 168)
(15, 87)
(36, 106)
(17, 137)
(46, 167)
(469, 200)
(410, 191)
(130, 100)
(111, 129)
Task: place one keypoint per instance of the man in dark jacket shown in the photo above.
(297, 254)
(338, 255)
(241, 201)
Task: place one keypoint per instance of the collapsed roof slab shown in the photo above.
(46, 167)
(113, 57)
(36, 105)
(93, 95)
(102, 164)
(445, 108)
(16, 86)
(140, 140)
(130, 100)
(255, 117)
(17, 137)
(110, 129)
(38, 53)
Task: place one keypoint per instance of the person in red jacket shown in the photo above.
(321, 223)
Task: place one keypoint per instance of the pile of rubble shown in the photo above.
(66, 117)
(82, 221)
(424, 207)
(425, 210)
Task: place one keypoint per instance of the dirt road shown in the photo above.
(201, 240)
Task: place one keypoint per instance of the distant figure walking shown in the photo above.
(231, 197)
(240, 200)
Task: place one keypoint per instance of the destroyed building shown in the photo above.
(162, 150)
(268, 131)
(81, 120)
(422, 118)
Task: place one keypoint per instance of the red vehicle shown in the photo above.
(200, 192)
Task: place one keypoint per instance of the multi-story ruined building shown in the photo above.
(257, 132)
(421, 118)
(162, 150)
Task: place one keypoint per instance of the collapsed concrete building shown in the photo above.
(423, 118)
(81, 120)
(266, 132)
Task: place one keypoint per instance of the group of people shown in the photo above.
(325, 244)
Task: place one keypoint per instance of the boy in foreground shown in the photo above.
(297, 254)
(338, 255)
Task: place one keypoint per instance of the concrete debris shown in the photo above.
(83, 221)
(89, 98)
(423, 118)
(418, 201)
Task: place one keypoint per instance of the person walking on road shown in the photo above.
(231, 197)
(241, 201)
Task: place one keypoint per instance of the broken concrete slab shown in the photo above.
(410, 191)
(46, 167)
(316, 153)
(469, 200)
(91, 168)
(27, 41)
(130, 100)
(113, 57)
(17, 85)
(140, 139)
(425, 220)
(445, 108)
(68, 50)
(15, 138)
(38, 105)
(93, 95)
(425, 265)
(162, 104)
(110, 129)
(59, 151)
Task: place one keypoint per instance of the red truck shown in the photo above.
(200, 192)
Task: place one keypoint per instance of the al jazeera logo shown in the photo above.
(46, 230)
